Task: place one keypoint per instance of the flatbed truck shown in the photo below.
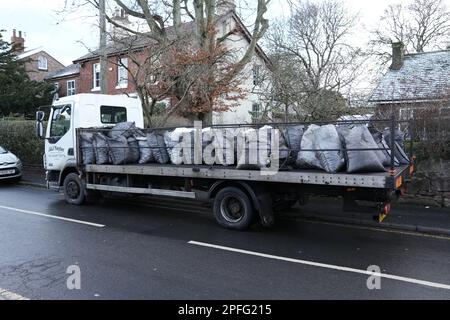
(239, 198)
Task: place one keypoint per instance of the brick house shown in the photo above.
(38, 63)
(414, 84)
(66, 80)
(87, 80)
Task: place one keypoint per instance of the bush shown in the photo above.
(19, 137)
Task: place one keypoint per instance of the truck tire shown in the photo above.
(74, 192)
(233, 209)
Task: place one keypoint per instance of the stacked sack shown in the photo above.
(377, 155)
(325, 138)
(123, 146)
(118, 146)
(254, 148)
(152, 149)
(328, 147)
(370, 160)
(217, 146)
(293, 138)
(180, 145)
(353, 148)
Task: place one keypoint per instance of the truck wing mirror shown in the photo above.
(40, 116)
(39, 129)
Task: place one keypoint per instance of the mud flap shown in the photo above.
(265, 209)
(379, 212)
(384, 212)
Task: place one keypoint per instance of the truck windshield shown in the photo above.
(60, 122)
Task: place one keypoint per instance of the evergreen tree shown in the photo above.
(19, 94)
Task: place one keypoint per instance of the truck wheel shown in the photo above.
(233, 209)
(74, 190)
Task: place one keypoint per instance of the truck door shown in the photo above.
(59, 143)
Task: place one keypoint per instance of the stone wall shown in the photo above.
(431, 183)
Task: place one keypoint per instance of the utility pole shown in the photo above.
(103, 57)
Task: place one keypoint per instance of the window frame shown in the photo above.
(71, 91)
(447, 109)
(153, 79)
(42, 59)
(122, 73)
(112, 114)
(54, 138)
(256, 74)
(255, 114)
(95, 78)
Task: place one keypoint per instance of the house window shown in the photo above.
(152, 78)
(406, 113)
(96, 76)
(111, 115)
(122, 73)
(71, 87)
(256, 74)
(42, 63)
(445, 113)
(255, 112)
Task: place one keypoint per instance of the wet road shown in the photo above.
(127, 251)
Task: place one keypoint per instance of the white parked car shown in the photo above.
(10, 165)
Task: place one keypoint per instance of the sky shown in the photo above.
(70, 38)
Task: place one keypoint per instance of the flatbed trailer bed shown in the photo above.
(295, 176)
(203, 183)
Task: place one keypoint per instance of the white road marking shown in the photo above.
(8, 295)
(53, 217)
(325, 265)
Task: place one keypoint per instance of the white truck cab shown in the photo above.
(80, 111)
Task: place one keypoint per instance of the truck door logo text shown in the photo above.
(56, 148)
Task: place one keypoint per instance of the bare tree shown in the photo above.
(315, 58)
(421, 25)
(198, 73)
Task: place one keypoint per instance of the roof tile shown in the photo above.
(423, 76)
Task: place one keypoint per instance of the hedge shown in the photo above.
(19, 138)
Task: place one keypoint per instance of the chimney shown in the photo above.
(225, 6)
(121, 18)
(120, 15)
(397, 55)
(17, 42)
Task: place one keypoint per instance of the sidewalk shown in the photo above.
(403, 216)
(407, 217)
(34, 176)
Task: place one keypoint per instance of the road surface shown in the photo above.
(120, 250)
